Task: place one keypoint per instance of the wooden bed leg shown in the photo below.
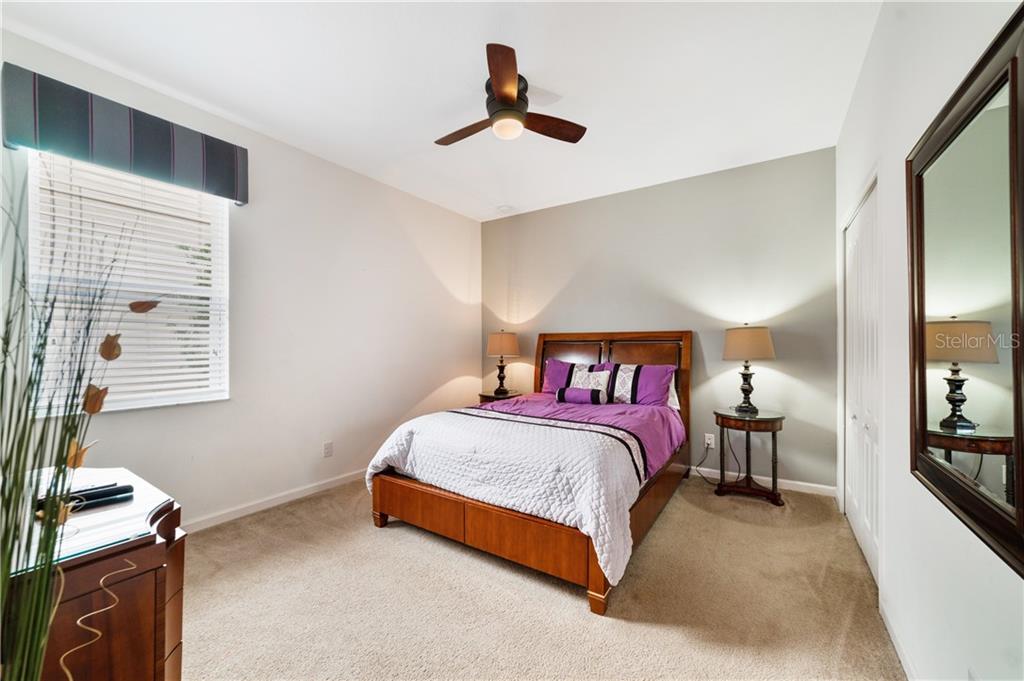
(597, 585)
(379, 519)
(598, 604)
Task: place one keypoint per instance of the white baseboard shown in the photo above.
(901, 653)
(241, 510)
(791, 485)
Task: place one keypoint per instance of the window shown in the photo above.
(148, 241)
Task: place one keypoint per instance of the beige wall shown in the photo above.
(954, 609)
(753, 244)
(353, 307)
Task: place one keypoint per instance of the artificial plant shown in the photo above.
(47, 400)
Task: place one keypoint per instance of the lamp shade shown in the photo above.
(956, 340)
(502, 344)
(748, 342)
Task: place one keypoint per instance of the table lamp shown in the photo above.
(955, 340)
(747, 343)
(501, 345)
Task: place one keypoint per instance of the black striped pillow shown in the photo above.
(638, 383)
(582, 395)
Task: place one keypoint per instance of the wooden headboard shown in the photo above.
(624, 347)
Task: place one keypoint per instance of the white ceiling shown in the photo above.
(666, 90)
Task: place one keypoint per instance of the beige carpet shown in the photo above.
(721, 588)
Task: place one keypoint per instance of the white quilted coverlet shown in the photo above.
(577, 478)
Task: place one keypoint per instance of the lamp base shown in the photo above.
(746, 407)
(501, 389)
(959, 424)
(956, 422)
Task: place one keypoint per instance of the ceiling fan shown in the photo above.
(507, 105)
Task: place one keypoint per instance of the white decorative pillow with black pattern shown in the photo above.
(583, 376)
(622, 391)
(585, 386)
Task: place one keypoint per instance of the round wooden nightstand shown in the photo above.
(762, 422)
(491, 397)
(980, 442)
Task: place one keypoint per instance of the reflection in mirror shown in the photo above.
(968, 292)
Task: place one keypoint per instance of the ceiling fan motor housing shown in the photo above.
(494, 107)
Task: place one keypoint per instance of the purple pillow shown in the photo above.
(638, 383)
(556, 375)
(581, 396)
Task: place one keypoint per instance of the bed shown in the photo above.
(497, 520)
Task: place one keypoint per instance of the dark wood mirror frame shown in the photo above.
(1001, 529)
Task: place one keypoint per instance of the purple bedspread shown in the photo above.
(659, 428)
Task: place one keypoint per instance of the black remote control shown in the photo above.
(78, 506)
(89, 494)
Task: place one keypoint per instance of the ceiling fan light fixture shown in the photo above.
(507, 125)
(508, 106)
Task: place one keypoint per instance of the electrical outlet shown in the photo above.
(709, 440)
(328, 449)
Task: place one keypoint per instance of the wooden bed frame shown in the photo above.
(555, 549)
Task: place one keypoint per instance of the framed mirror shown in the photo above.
(965, 187)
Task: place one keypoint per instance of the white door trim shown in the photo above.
(869, 186)
(868, 492)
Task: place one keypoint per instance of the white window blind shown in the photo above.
(148, 241)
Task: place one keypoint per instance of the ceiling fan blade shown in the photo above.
(560, 129)
(463, 133)
(501, 62)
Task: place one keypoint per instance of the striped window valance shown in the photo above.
(46, 114)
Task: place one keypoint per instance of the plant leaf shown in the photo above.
(143, 306)
(93, 402)
(110, 348)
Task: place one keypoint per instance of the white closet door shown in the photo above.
(863, 387)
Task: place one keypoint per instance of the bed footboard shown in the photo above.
(548, 547)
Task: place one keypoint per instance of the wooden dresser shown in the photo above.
(140, 547)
